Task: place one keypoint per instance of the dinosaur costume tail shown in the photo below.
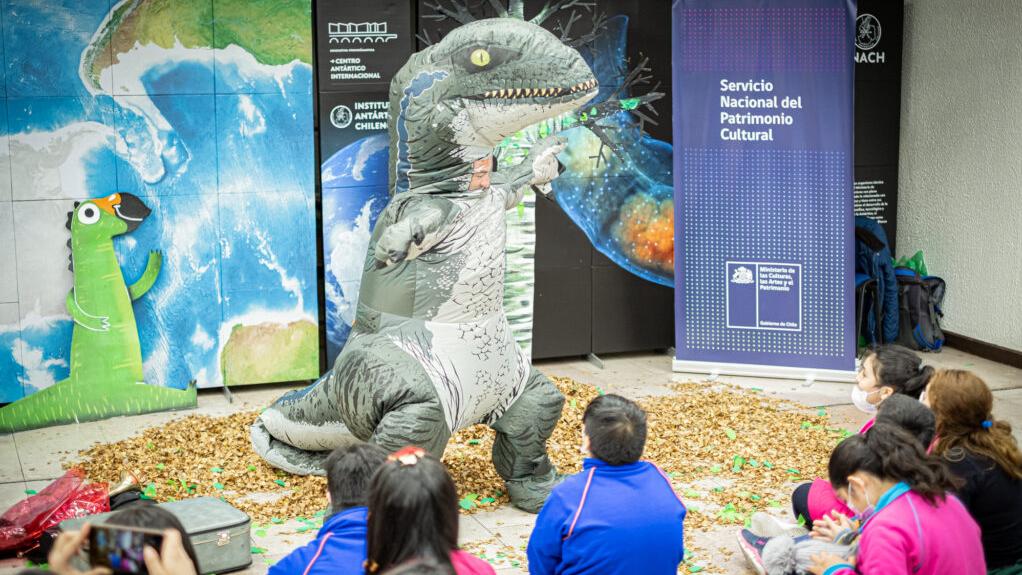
(307, 428)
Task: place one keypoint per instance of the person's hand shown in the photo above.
(829, 527)
(824, 561)
(172, 558)
(67, 545)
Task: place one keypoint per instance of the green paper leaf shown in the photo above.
(574, 404)
(672, 474)
(466, 504)
(257, 550)
(753, 463)
(216, 469)
(737, 463)
(695, 568)
(260, 533)
(716, 469)
(280, 482)
(801, 520)
(692, 493)
(730, 433)
(768, 465)
(30, 492)
(487, 500)
(302, 529)
(251, 467)
(792, 471)
(755, 497)
(806, 425)
(822, 412)
(218, 486)
(276, 520)
(774, 504)
(718, 490)
(473, 442)
(150, 445)
(600, 390)
(320, 513)
(756, 389)
(629, 103)
(160, 466)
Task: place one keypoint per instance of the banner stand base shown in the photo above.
(771, 371)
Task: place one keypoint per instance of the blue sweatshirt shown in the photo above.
(338, 549)
(611, 520)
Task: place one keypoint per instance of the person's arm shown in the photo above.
(67, 545)
(883, 552)
(544, 550)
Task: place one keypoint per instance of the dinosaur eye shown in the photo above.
(88, 215)
(480, 57)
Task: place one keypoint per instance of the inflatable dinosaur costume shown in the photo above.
(431, 351)
(106, 361)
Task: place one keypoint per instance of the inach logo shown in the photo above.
(867, 32)
(340, 116)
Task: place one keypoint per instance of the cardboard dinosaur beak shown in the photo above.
(127, 207)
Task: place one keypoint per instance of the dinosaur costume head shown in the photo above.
(454, 101)
(104, 218)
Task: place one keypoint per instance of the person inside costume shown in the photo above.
(910, 522)
(619, 515)
(886, 371)
(340, 545)
(413, 515)
(981, 451)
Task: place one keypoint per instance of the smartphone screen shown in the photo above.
(120, 548)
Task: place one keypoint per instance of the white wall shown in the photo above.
(960, 191)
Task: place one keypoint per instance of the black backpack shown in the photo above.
(919, 301)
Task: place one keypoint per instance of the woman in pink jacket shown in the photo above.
(910, 523)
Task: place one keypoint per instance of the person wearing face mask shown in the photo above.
(886, 371)
(910, 522)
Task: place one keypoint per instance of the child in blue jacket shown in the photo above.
(340, 546)
(619, 516)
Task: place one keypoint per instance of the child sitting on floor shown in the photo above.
(788, 555)
(340, 545)
(910, 521)
(982, 452)
(885, 372)
(413, 515)
(619, 516)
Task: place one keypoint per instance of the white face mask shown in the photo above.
(861, 399)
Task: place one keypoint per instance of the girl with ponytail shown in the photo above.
(910, 523)
(981, 451)
(884, 372)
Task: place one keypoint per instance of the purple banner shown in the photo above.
(763, 140)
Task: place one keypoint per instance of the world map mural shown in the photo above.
(204, 110)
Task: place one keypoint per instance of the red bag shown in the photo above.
(67, 497)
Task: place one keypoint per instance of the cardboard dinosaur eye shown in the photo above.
(480, 57)
(88, 215)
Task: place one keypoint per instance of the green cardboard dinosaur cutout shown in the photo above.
(106, 361)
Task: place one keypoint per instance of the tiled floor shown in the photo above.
(29, 460)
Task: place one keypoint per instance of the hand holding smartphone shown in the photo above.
(121, 549)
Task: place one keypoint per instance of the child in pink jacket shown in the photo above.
(911, 524)
(884, 372)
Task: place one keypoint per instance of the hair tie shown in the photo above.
(407, 455)
(987, 424)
